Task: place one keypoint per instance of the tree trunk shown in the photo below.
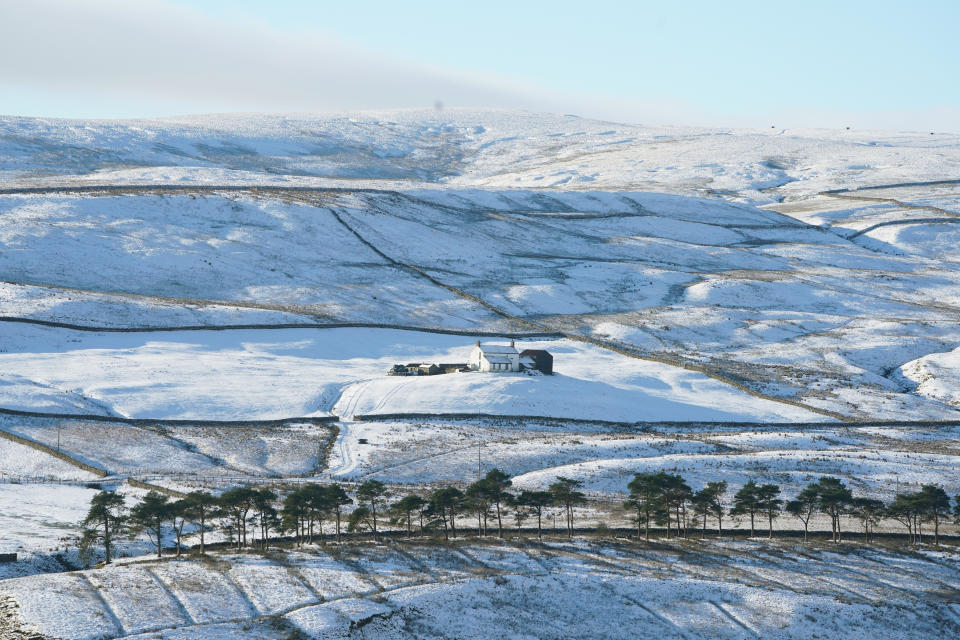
(806, 526)
(202, 523)
(770, 518)
(540, 524)
(499, 523)
(106, 539)
(751, 524)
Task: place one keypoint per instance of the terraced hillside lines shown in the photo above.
(674, 237)
(686, 589)
(855, 195)
(200, 302)
(536, 326)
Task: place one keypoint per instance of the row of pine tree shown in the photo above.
(249, 515)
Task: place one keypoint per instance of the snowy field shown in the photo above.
(270, 374)
(748, 293)
(875, 461)
(478, 590)
(801, 308)
(468, 147)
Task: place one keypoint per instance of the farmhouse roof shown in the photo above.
(497, 348)
(498, 359)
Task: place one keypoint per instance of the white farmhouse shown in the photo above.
(494, 357)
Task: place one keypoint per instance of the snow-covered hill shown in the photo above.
(503, 221)
(490, 149)
(586, 589)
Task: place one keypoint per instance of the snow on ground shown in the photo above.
(86, 308)
(412, 452)
(747, 292)
(37, 517)
(468, 147)
(874, 473)
(879, 461)
(936, 376)
(247, 374)
(18, 461)
(137, 599)
(283, 257)
(847, 304)
(583, 588)
(117, 447)
(288, 449)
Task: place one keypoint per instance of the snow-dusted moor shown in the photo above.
(239, 393)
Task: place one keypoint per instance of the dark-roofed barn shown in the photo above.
(542, 360)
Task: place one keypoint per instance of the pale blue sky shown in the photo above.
(880, 63)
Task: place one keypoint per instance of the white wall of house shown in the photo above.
(497, 358)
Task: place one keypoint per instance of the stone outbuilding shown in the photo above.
(537, 360)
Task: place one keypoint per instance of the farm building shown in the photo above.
(506, 358)
(425, 368)
(494, 357)
(537, 360)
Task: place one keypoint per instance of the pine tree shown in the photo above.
(769, 503)
(403, 509)
(445, 503)
(833, 500)
(868, 511)
(104, 522)
(564, 492)
(536, 501)
(372, 493)
(747, 502)
(805, 505)
(150, 515)
(200, 506)
(646, 498)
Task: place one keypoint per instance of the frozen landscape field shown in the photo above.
(597, 589)
(201, 303)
